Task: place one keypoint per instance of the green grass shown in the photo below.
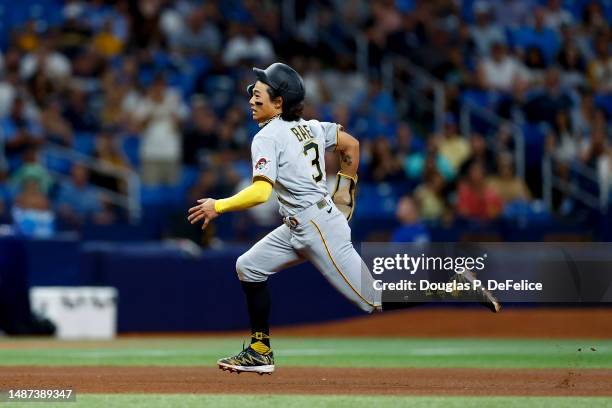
(483, 353)
(307, 401)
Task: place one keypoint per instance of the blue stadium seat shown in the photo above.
(604, 101)
(535, 135)
(575, 7)
(5, 28)
(478, 97)
(482, 99)
(162, 61)
(150, 195)
(467, 10)
(376, 200)
(145, 76)
(220, 90)
(176, 194)
(130, 145)
(243, 168)
(607, 8)
(199, 64)
(408, 6)
(525, 37)
(57, 164)
(84, 142)
(586, 184)
(525, 211)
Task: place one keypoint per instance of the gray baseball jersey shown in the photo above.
(291, 156)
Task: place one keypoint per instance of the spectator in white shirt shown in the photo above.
(555, 16)
(501, 71)
(55, 65)
(485, 33)
(158, 115)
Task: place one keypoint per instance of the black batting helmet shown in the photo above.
(283, 80)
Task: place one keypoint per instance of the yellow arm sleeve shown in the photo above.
(256, 193)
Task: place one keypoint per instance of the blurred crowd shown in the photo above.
(158, 87)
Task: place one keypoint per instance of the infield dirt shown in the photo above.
(521, 323)
(313, 380)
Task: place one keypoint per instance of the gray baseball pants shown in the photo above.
(321, 235)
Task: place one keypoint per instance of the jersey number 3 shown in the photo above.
(315, 161)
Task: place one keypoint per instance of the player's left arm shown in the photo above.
(348, 149)
(209, 208)
(343, 196)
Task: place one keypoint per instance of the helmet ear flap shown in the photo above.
(250, 89)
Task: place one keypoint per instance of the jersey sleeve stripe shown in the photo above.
(262, 177)
(338, 130)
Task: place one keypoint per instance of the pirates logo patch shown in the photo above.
(262, 164)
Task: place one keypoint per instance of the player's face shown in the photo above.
(262, 107)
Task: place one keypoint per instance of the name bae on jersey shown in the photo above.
(302, 133)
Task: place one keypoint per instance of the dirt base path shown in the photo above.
(418, 381)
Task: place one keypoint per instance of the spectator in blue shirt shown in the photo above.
(546, 39)
(412, 229)
(78, 202)
(416, 163)
(545, 104)
(19, 132)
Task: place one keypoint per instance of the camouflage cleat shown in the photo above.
(485, 298)
(250, 361)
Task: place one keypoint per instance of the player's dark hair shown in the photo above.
(291, 112)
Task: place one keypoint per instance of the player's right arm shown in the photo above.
(208, 209)
(264, 158)
(255, 194)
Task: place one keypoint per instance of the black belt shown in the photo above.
(292, 221)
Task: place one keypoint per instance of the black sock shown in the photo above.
(258, 303)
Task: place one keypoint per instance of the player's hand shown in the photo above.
(205, 210)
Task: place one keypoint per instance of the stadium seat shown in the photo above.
(478, 97)
(57, 164)
(535, 136)
(408, 6)
(607, 7)
(152, 195)
(525, 37)
(376, 199)
(219, 89)
(176, 194)
(84, 142)
(525, 212)
(467, 10)
(575, 7)
(130, 145)
(5, 28)
(604, 101)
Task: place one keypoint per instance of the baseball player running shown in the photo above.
(288, 156)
